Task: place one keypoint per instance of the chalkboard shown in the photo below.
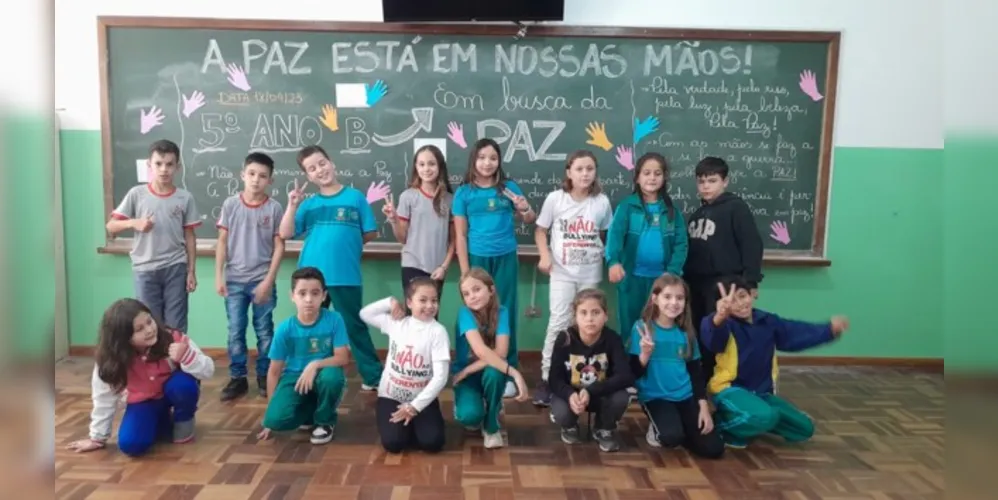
(371, 93)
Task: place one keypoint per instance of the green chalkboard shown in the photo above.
(371, 93)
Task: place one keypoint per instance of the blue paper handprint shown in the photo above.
(643, 128)
(376, 92)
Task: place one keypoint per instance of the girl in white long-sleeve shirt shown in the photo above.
(156, 367)
(408, 412)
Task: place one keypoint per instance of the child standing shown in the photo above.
(408, 411)
(158, 368)
(163, 218)
(247, 257)
(591, 372)
(481, 368)
(306, 381)
(745, 341)
(422, 221)
(577, 216)
(666, 360)
(486, 208)
(647, 238)
(337, 223)
(724, 242)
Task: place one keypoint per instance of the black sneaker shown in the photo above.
(261, 384)
(542, 395)
(237, 387)
(322, 434)
(607, 440)
(570, 435)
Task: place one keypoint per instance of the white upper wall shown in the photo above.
(890, 61)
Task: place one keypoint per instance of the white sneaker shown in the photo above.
(367, 388)
(510, 391)
(493, 440)
(322, 434)
(652, 437)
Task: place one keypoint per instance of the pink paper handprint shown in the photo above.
(809, 85)
(780, 232)
(237, 77)
(151, 119)
(377, 192)
(192, 103)
(625, 157)
(455, 131)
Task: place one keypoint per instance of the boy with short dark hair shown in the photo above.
(724, 242)
(745, 341)
(247, 258)
(162, 217)
(337, 223)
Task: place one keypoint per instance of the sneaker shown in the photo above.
(607, 440)
(367, 388)
(322, 434)
(542, 396)
(510, 391)
(237, 387)
(734, 443)
(261, 385)
(493, 440)
(570, 435)
(473, 428)
(652, 437)
(551, 417)
(183, 432)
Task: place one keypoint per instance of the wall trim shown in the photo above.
(931, 365)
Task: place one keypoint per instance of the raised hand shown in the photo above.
(328, 118)
(375, 92)
(150, 119)
(296, 195)
(725, 303)
(377, 192)
(177, 350)
(625, 157)
(237, 77)
(389, 209)
(455, 132)
(192, 103)
(597, 136)
(780, 232)
(643, 128)
(647, 343)
(519, 202)
(809, 85)
(398, 312)
(839, 325)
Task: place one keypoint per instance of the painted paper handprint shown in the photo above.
(192, 103)
(455, 132)
(150, 119)
(625, 157)
(780, 232)
(643, 128)
(809, 85)
(377, 191)
(597, 136)
(237, 77)
(328, 118)
(375, 92)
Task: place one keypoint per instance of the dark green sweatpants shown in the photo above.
(347, 300)
(505, 270)
(288, 410)
(743, 416)
(632, 295)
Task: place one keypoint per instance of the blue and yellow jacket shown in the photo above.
(630, 221)
(746, 349)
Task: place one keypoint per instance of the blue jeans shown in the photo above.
(150, 420)
(164, 292)
(237, 304)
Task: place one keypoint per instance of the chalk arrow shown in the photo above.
(422, 120)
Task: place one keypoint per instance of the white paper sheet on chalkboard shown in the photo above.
(441, 144)
(351, 95)
(142, 170)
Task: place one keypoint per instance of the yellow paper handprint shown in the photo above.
(329, 117)
(597, 136)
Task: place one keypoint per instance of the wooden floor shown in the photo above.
(879, 436)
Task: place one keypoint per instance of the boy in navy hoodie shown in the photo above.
(745, 341)
(724, 243)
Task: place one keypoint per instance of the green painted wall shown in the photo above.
(886, 259)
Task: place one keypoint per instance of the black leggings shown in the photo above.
(609, 409)
(676, 423)
(424, 432)
(408, 273)
(703, 301)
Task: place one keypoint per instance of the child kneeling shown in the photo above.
(307, 357)
(745, 341)
(590, 372)
(157, 367)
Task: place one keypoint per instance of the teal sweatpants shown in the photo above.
(347, 301)
(478, 399)
(632, 295)
(743, 416)
(505, 270)
(288, 410)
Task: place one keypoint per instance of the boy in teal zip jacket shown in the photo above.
(647, 238)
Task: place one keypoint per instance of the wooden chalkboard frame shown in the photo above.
(814, 257)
